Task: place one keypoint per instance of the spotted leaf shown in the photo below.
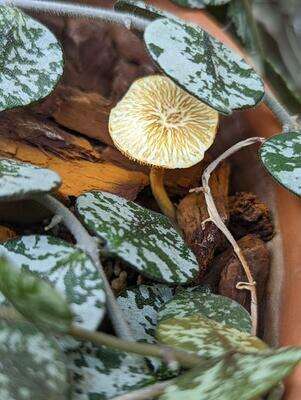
(140, 306)
(32, 366)
(141, 9)
(20, 180)
(235, 377)
(34, 298)
(145, 240)
(100, 373)
(217, 308)
(209, 338)
(67, 268)
(31, 60)
(200, 3)
(202, 65)
(281, 156)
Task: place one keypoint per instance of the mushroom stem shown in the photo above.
(159, 192)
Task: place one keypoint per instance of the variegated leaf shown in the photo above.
(100, 373)
(200, 3)
(34, 298)
(140, 306)
(31, 365)
(144, 239)
(202, 65)
(141, 9)
(31, 60)
(67, 268)
(281, 156)
(209, 338)
(199, 301)
(20, 180)
(235, 377)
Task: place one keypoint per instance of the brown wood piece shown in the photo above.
(205, 238)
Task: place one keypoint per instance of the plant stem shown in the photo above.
(157, 184)
(146, 393)
(216, 219)
(287, 121)
(89, 245)
(186, 359)
(77, 10)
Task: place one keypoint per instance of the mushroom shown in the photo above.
(160, 125)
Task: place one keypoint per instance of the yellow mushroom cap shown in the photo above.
(159, 124)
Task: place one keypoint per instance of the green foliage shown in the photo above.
(35, 299)
(281, 155)
(201, 301)
(140, 306)
(20, 180)
(67, 268)
(144, 239)
(31, 60)
(235, 377)
(202, 65)
(32, 366)
(206, 337)
(200, 3)
(100, 373)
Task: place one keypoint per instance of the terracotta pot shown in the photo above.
(282, 316)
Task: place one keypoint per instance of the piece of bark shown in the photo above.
(205, 238)
(23, 125)
(249, 215)
(78, 175)
(258, 258)
(83, 112)
(125, 74)
(7, 233)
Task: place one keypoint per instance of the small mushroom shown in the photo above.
(158, 124)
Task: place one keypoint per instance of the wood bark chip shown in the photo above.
(249, 215)
(227, 266)
(205, 238)
(78, 175)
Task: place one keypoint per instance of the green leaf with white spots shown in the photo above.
(140, 306)
(144, 239)
(200, 3)
(217, 308)
(100, 373)
(34, 298)
(20, 180)
(202, 65)
(31, 59)
(65, 267)
(31, 367)
(235, 377)
(281, 156)
(206, 337)
(141, 9)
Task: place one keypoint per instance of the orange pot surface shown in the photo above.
(263, 123)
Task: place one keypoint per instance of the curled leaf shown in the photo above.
(67, 268)
(35, 299)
